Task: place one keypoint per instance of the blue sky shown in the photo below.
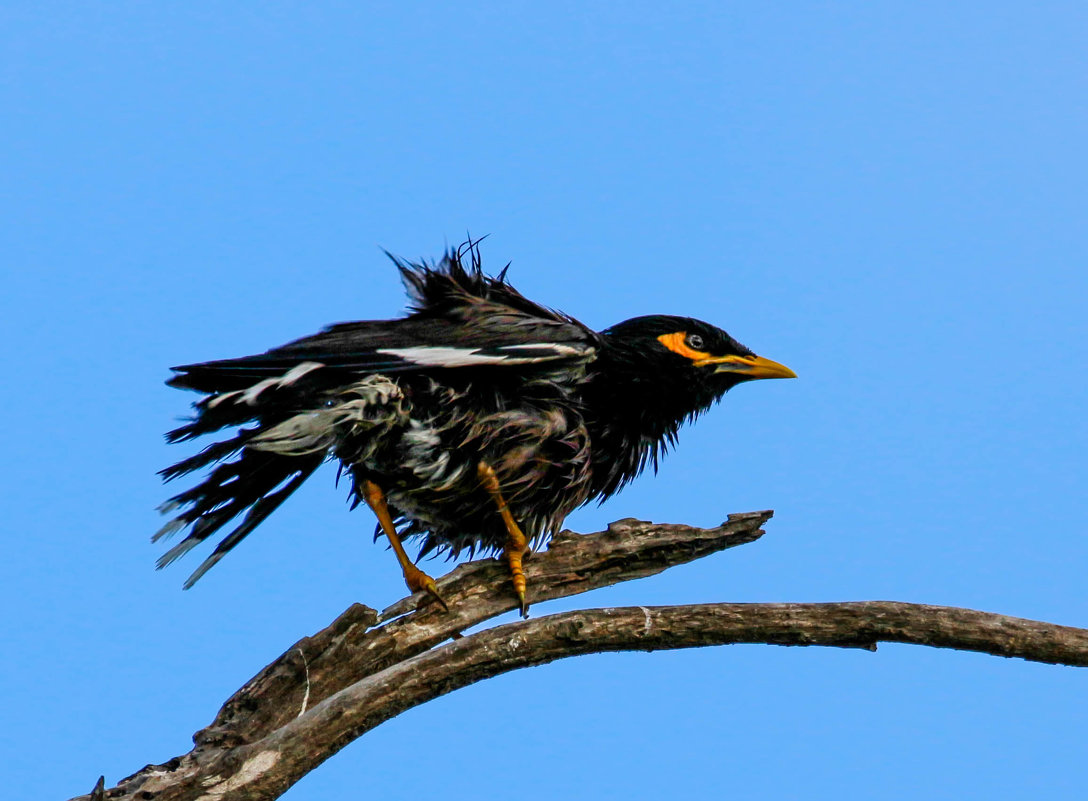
(887, 197)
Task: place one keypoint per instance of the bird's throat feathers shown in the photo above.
(644, 391)
(645, 409)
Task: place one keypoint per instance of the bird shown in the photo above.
(475, 422)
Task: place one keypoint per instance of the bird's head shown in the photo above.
(684, 355)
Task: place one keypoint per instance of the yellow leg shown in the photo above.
(415, 578)
(516, 544)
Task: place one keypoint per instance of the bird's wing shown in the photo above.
(480, 335)
(414, 344)
(460, 318)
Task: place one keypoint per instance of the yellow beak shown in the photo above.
(747, 366)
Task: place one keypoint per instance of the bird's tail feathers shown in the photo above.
(255, 483)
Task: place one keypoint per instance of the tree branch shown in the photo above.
(361, 641)
(366, 668)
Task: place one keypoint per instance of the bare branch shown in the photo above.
(295, 749)
(361, 642)
(356, 677)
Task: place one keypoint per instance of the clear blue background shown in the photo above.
(888, 197)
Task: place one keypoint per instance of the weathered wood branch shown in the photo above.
(365, 668)
(361, 641)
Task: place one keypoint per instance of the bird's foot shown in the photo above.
(516, 542)
(418, 581)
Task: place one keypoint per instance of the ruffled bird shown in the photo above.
(479, 421)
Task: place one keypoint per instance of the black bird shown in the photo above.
(478, 421)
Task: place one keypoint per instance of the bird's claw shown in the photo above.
(418, 581)
(432, 591)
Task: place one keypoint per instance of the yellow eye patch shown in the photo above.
(678, 343)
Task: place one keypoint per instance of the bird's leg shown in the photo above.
(516, 544)
(415, 578)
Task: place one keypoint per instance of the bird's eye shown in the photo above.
(695, 341)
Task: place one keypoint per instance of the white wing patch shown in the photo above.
(440, 356)
(250, 395)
